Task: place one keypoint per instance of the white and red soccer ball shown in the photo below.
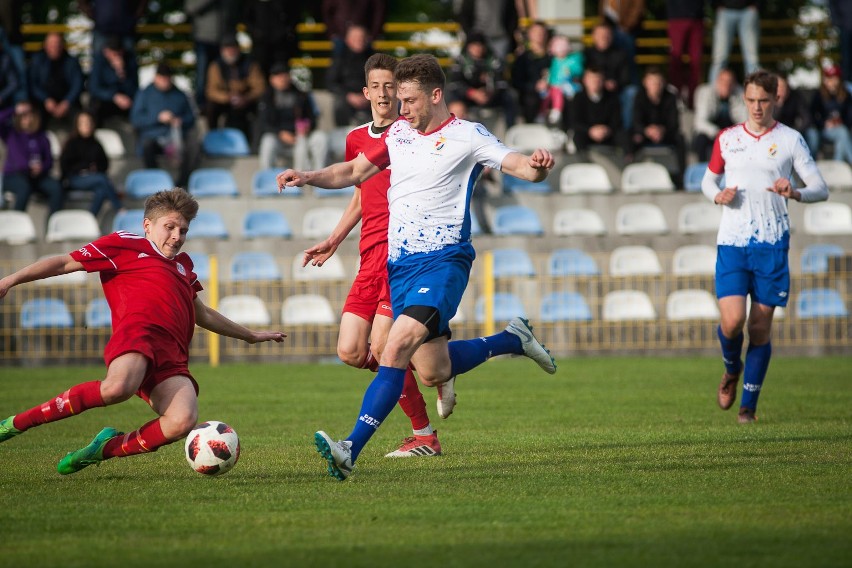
(212, 448)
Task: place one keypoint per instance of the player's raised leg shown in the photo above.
(731, 338)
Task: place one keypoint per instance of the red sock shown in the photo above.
(73, 401)
(370, 362)
(146, 439)
(412, 403)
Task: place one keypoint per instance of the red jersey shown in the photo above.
(374, 191)
(150, 296)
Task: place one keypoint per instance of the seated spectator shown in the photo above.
(9, 81)
(596, 120)
(345, 78)
(476, 78)
(793, 109)
(286, 122)
(28, 158)
(12, 40)
(235, 84)
(84, 165)
(113, 82)
(163, 118)
(717, 106)
(530, 71)
(613, 62)
(831, 110)
(56, 80)
(656, 121)
(563, 79)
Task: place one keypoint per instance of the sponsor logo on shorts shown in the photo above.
(384, 307)
(423, 290)
(783, 294)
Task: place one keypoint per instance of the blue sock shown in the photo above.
(756, 364)
(466, 354)
(380, 398)
(732, 351)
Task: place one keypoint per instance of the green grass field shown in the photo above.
(612, 462)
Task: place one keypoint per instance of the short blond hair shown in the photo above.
(167, 201)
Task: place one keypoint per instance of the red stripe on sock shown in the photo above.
(75, 400)
(146, 439)
(412, 403)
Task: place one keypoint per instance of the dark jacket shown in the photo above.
(841, 13)
(114, 17)
(150, 102)
(613, 62)
(41, 69)
(279, 110)
(824, 107)
(346, 74)
(685, 9)
(527, 69)
(81, 156)
(646, 113)
(8, 80)
(795, 112)
(588, 113)
(104, 82)
(340, 14)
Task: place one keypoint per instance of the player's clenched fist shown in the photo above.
(290, 178)
(542, 159)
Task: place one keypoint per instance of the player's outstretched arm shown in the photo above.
(44, 268)
(534, 167)
(320, 252)
(336, 176)
(211, 320)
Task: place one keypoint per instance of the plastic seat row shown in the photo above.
(262, 266)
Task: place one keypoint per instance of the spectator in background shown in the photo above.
(286, 122)
(596, 120)
(613, 62)
(841, 17)
(563, 79)
(12, 41)
(235, 84)
(656, 120)
(831, 109)
(9, 81)
(530, 71)
(28, 158)
(272, 27)
(476, 78)
(113, 82)
(686, 36)
(114, 18)
(718, 105)
(340, 15)
(345, 78)
(84, 164)
(625, 17)
(793, 109)
(56, 80)
(163, 118)
(740, 17)
(496, 20)
(211, 21)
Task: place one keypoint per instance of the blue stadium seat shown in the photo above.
(815, 257)
(213, 182)
(45, 313)
(506, 307)
(129, 221)
(263, 183)
(200, 264)
(517, 220)
(512, 262)
(511, 184)
(208, 225)
(344, 192)
(564, 306)
(693, 176)
(225, 142)
(820, 303)
(572, 262)
(139, 184)
(98, 314)
(266, 223)
(254, 266)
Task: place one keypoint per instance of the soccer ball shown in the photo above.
(212, 448)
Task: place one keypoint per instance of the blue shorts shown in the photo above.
(436, 279)
(762, 272)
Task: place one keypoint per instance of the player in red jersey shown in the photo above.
(153, 295)
(367, 314)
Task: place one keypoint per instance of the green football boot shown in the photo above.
(91, 454)
(7, 429)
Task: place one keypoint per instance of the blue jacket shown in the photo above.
(39, 70)
(104, 83)
(150, 102)
(8, 81)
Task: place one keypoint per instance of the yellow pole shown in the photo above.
(488, 291)
(213, 338)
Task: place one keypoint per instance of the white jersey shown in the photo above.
(753, 163)
(432, 181)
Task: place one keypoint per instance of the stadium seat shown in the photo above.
(684, 305)
(208, 225)
(828, 219)
(307, 309)
(571, 262)
(228, 142)
(245, 309)
(526, 138)
(564, 306)
(815, 257)
(263, 183)
(628, 305)
(72, 225)
(76, 278)
(55, 144)
(820, 303)
(112, 143)
(699, 217)
(694, 260)
(266, 223)
(16, 228)
(98, 314)
(646, 177)
(506, 307)
(200, 265)
(569, 222)
(584, 178)
(344, 192)
(319, 222)
(836, 173)
(213, 182)
(511, 184)
(139, 184)
(332, 269)
(516, 220)
(249, 265)
(640, 219)
(45, 313)
(130, 221)
(693, 176)
(634, 260)
(512, 262)
(475, 227)
(337, 142)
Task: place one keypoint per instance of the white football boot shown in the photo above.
(337, 454)
(532, 348)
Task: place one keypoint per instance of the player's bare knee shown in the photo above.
(351, 357)
(115, 390)
(180, 423)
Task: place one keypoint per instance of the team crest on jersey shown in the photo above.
(181, 269)
(440, 142)
(773, 150)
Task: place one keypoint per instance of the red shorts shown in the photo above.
(370, 292)
(165, 358)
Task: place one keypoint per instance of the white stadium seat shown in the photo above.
(578, 222)
(640, 219)
(691, 305)
(836, 173)
(245, 309)
(72, 225)
(332, 269)
(16, 228)
(584, 178)
(634, 261)
(700, 217)
(319, 222)
(307, 309)
(694, 260)
(828, 219)
(646, 177)
(628, 305)
(528, 137)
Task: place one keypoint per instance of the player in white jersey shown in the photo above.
(436, 160)
(757, 159)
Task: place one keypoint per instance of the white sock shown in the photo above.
(427, 431)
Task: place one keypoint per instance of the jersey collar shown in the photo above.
(761, 135)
